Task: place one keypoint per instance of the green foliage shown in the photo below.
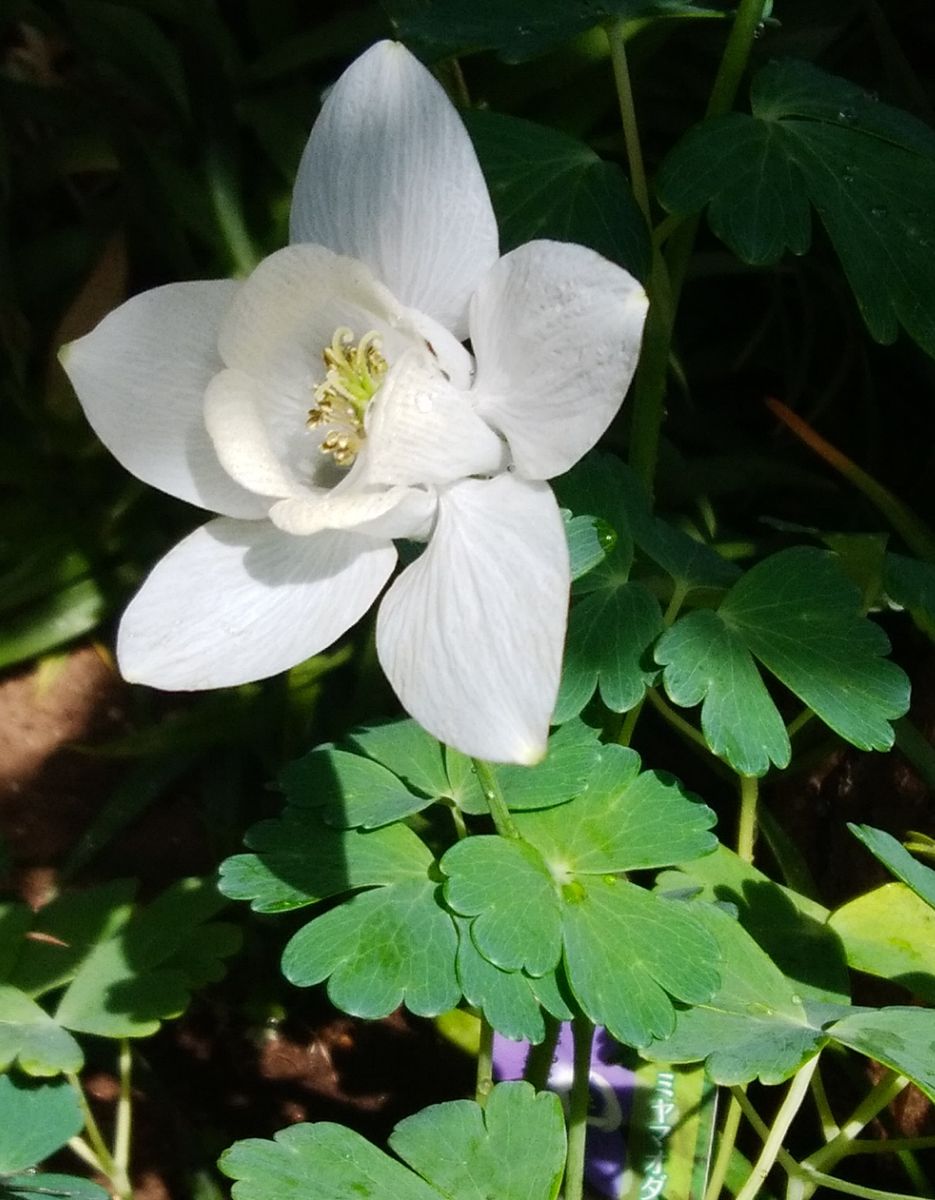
(35, 1120)
(798, 615)
(898, 860)
(104, 965)
(901, 1038)
(522, 29)
(890, 932)
(816, 140)
(545, 184)
(514, 1148)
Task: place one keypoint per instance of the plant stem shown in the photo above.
(798, 1089)
(484, 1063)
(647, 406)
(625, 736)
(123, 1122)
(98, 1147)
(725, 1148)
(631, 132)
(829, 1126)
(882, 1094)
(747, 20)
(746, 826)
(541, 1057)
(583, 1031)
(493, 794)
(79, 1146)
(677, 722)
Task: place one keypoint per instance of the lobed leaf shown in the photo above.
(817, 141)
(36, 1119)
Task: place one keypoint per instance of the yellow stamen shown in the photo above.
(353, 376)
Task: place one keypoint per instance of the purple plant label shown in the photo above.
(611, 1099)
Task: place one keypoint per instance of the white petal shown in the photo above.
(383, 513)
(141, 377)
(390, 176)
(234, 416)
(556, 332)
(287, 311)
(470, 635)
(237, 601)
(421, 429)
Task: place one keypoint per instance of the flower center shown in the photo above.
(354, 374)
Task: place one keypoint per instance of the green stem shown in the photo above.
(79, 1146)
(677, 722)
(631, 132)
(882, 1094)
(798, 1089)
(891, 1145)
(747, 20)
(98, 1147)
(725, 1148)
(746, 826)
(229, 214)
(583, 1031)
(829, 1126)
(484, 1063)
(625, 736)
(676, 600)
(647, 407)
(541, 1057)
(123, 1122)
(493, 794)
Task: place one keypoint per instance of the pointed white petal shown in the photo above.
(470, 635)
(421, 429)
(287, 311)
(237, 601)
(390, 176)
(235, 406)
(141, 377)
(383, 513)
(556, 332)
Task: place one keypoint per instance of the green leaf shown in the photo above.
(31, 1038)
(510, 1000)
(816, 140)
(565, 772)
(789, 927)
(754, 1026)
(520, 29)
(545, 184)
(56, 619)
(506, 886)
(897, 859)
(901, 1038)
(145, 972)
(380, 949)
(800, 617)
(36, 1119)
(349, 790)
(513, 1149)
(69, 1187)
(404, 748)
(627, 820)
(625, 950)
(911, 584)
(890, 932)
(705, 662)
(614, 619)
(299, 861)
(590, 540)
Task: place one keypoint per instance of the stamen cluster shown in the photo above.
(354, 373)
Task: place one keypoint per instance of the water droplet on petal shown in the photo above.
(424, 402)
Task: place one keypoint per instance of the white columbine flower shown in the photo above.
(327, 405)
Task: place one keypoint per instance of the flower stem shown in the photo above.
(583, 1031)
(98, 1147)
(725, 1148)
(123, 1123)
(672, 717)
(631, 133)
(736, 56)
(493, 794)
(541, 1057)
(746, 826)
(484, 1063)
(798, 1089)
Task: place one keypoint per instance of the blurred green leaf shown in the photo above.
(32, 1039)
(817, 140)
(36, 1119)
(42, 1184)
